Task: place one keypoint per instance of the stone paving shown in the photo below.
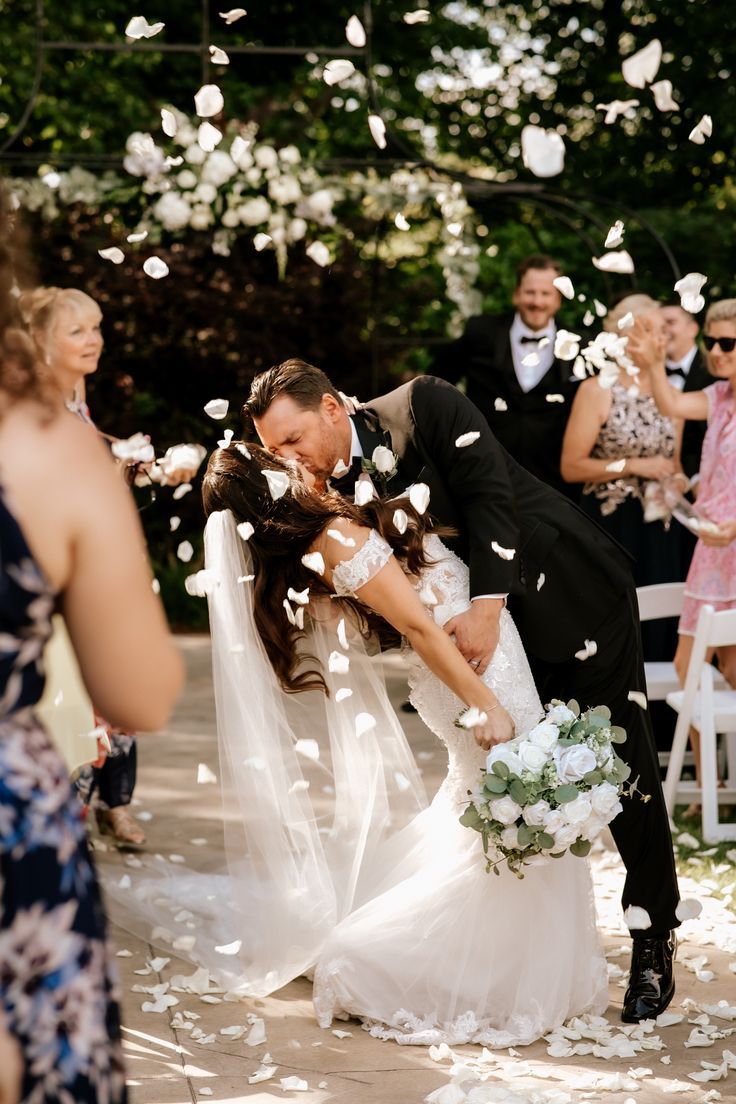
(166, 1067)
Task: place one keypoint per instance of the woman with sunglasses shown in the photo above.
(712, 575)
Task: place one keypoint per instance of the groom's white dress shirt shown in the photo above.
(529, 375)
(682, 366)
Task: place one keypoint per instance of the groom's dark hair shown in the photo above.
(302, 382)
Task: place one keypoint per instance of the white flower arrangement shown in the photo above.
(550, 791)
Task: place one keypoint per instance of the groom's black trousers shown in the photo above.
(641, 831)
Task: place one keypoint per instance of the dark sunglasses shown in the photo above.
(727, 344)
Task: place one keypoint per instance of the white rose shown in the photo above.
(172, 211)
(544, 735)
(510, 839)
(565, 836)
(505, 810)
(297, 229)
(533, 758)
(535, 814)
(206, 193)
(254, 211)
(187, 179)
(574, 762)
(231, 219)
(284, 189)
(503, 753)
(384, 459)
(194, 154)
(604, 799)
(577, 811)
(290, 155)
(592, 828)
(202, 217)
(560, 715)
(266, 157)
(219, 168)
(553, 821)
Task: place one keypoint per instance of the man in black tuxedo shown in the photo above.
(512, 375)
(567, 583)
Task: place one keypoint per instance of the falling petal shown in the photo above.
(355, 32)
(293, 1084)
(336, 535)
(701, 131)
(401, 222)
(339, 69)
(662, 92)
(378, 130)
(588, 651)
(208, 101)
(401, 521)
(615, 235)
(230, 948)
(342, 635)
(168, 122)
(640, 69)
(308, 748)
(564, 286)
(140, 236)
(185, 551)
(554, 398)
(139, 27)
(637, 919)
(638, 698)
(466, 439)
(542, 151)
(419, 497)
(688, 909)
(420, 16)
(319, 253)
(208, 137)
(226, 440)
(540, 580)
(260, 242)
(217, 408)
(233, 15)
(504, 553)
(205, 776)
(278, 485)
(218, 56)
(626, 322)
(265, 1073)
(181, 490)
(402, 782)
(338, 663)
(688, 288)
(155, 268)
(616, 108)
(314, 561)
(620, 262)
(339, 469)
(567, 345)
(112, 254)
(343, 693)
(472, 718)
(500, 405)
(616, 465)
(364, 492)
(301, 597)
(201, 583)
(245, 530)
(364, 722)
(134, 450)
(600, 308)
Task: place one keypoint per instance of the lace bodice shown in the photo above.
(444, 589)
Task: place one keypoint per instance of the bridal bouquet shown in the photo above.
(550, 791)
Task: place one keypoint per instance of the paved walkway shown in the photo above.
(166, 1065)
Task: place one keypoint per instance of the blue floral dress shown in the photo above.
(57, 983)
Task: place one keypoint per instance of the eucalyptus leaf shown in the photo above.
(618, 734)
(580, 848)
(494, 785)
(524, 835)
(501, 769)
(545, 840)
(566, 792)
(471, 819)
(517, 792)
(593, 778)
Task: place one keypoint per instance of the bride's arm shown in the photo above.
(390, 594)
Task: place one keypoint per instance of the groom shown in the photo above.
(568, 585)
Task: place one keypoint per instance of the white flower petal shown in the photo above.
(616, 108)
(208, 137)
(419, 497)
(355, 32)
(293, 1084)
(364, 492)
(701, 131)
(205, 776)
(554, 398)
(342, 635)
(466, 439)
(688, 288)
(615, 235)
(621, 262)
(338, 663)
(420, 16)
(638, 698)
(343, 693)
(588, 651)
(500, 405)
(112, 254)
(233, 15)
(278, 485)
(140, 236)
(314, 561)
(218, 56)
(401, 222)
(260, 242)
(301, 597)
(472, 718)
(265, 1073)
(319, 253)
(616, 465)
(201, 583)
(134, 450)
(185, 551)
(217, 408)
(504, 553)
(542, 151)
(339, 69)
(377, 128)
(208, 101)
(155, 268)
(662, 92)
(637, 919)
(230, 948)
(541, 580)
(226, 440)
(400, 520)
(181, 490)
(336, 535)
(139, 27)
(364, 722)
(245, 530)
(168, 122)
(640, 69)
(564, 286)
(688, 909)
(626, 322)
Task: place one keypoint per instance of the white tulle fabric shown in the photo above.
(443, 951)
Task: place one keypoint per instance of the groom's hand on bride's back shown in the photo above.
(475, 632)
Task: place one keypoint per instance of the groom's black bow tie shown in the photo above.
(345, 483)
(675, 370)
(525, 339)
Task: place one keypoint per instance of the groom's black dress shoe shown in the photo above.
(651, 981)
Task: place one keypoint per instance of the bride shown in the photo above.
(340, 868)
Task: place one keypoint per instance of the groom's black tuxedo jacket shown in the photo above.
(566, 576)
(530, 427)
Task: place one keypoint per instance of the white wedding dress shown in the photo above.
(436, 949)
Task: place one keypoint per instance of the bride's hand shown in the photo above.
(497, 730)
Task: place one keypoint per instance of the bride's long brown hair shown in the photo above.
(286, 529)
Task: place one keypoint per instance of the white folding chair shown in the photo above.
(712, 712)
(658, 601)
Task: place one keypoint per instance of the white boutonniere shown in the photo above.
(382, 465)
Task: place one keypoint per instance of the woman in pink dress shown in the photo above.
(712, 575)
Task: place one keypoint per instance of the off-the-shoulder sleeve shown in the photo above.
(350, 575)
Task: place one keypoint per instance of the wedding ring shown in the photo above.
(475, 663)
